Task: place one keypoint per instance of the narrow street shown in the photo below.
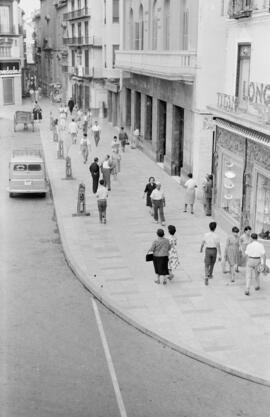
(52, 358)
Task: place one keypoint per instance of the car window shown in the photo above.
(34, 167)
(20, 167)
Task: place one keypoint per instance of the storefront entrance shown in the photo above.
(178, 139)
(162, 117)
(8, 89)
(148, 121)
(128, 107)
(137, 111)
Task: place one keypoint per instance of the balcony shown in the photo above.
(170, 65)
(83, 40)
(85, 72)
(9, 48)
(239, 9)
(8, 31)
(77, 14)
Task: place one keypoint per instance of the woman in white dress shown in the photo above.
(190, 186)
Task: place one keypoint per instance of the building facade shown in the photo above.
(111, 44)
(242, 118)
(11, 52)
(168, 57)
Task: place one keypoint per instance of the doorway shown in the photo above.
(162, 118)
(8, 90)
(128, 108)
(148, 124)
(137, 111)
(178, 140)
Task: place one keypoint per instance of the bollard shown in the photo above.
(60, 149)
(68, 167)
(81, 206)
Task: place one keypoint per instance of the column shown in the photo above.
(123, 106)
(109, 106)
(133, 103)
(155, 127)
(169, 140)
(143, 115)
(114, 109)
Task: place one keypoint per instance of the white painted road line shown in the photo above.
(116, 388)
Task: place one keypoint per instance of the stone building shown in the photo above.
(242, 118)
(11, 52)
(170, 53)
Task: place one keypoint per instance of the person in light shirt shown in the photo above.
(73, 130)
(255, 256)
(211, 242)
(158, 203)
(106, 168)
(96, 132)
(102, 195)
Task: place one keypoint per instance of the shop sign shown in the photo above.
(9, 72)
(256, 93)
(227, 102)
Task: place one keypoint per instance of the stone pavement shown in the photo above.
(217, 324)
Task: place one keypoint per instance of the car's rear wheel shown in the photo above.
(11, 195)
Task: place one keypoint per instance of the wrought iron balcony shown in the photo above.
(239, 9)
(77, 14)
(85, 72)
(170, 65)
(83, 40)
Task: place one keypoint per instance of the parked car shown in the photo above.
(27, 173)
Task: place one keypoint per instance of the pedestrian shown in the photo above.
(102, 195)
(85, 121)
(160, 248)
(150, 186)
(256, 262)
(173, 255)
(96, 132)
(95, 172)
(207, 194)
(115, 145)
(85, 145)
(106, 168)
(231, 252)
(71, 105)
(158, 201)
(116, 161)
(135, 138)
(211, 242)
(62, 117)
(55, 130)
(73, 130)
(123, 138)
(37, 112)
(190, 186)
(79, 117)
(244, 240)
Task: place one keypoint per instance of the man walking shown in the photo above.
(106, 171)
(102, 195)
(73, 130)
(212, 247)
(256, 256)
(123, 138)
(158, 203)
(95, 172)
(71, 105)
(96, 132)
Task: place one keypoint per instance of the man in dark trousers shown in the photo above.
(71, 105)
(94, 169)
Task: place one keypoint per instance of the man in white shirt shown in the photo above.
(158, 203)
(102, 195)
(256, 253)
(212, 247)
(73, 130)
(96, 132)
(106, 168)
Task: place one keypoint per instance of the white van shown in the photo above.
(27, 173)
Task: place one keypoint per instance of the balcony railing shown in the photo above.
(88, 72)
(239, 9)
(77, 14)
(83, 40)
(171, 65)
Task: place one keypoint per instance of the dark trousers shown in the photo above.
(95, 183)
(102, 205)
(107, 177)
(96, 137)
(158, 207)
(209, 261)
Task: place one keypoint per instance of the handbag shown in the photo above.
(149, 257)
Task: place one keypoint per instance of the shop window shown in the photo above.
(231, 187)
(262, 223)
(115, 11)
(114, 49)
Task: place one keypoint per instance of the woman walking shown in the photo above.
(173, 255)
(190, 186)
(150, 186)
(160, 248)
(231, 254)
(85, 145)
(244, 240)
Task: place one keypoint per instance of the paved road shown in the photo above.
(52, 358)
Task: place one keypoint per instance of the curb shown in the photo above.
(94, 290)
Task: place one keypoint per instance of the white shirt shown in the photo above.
(157, 194)
(190, 184)
(85, 141)
(102, 193)
(211, 240)
(106, 164)
(96, 128)
(73, 128)
(255, 250)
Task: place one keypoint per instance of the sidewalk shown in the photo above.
(217, 324)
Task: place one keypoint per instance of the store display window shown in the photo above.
(262, 223)
(231, 187)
